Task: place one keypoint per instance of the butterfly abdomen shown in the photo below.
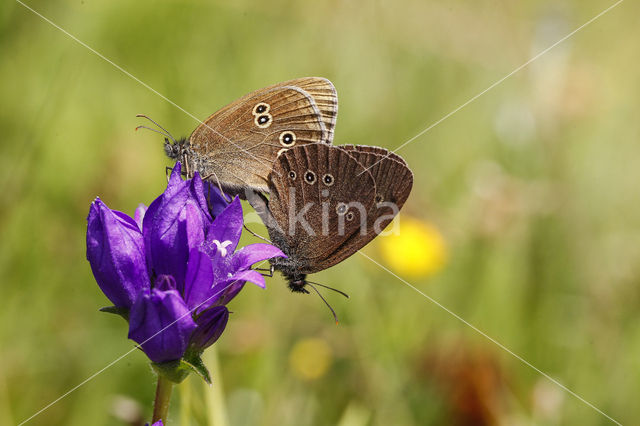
(289, 267)
(297, 284)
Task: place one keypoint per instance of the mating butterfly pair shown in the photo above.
(325, 202)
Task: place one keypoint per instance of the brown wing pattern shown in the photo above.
(325, 96)
(367, 149)
(336, 180)
(393, 180)
(240, 142)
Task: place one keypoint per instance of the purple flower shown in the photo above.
(211, 323)
(174, 224)
(217, 201)
(161, 323)
(230, 269)
(215, 273)
(174, 267)
(139, 215)
(115, 250)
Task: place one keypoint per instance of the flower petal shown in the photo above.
(175, 184)
(227, 290)
(165, 283)
(226, 229)
(161, 324)
(231, 286)
(196, 188)
(173, 225)
(250, 275)
(199, 281)
(115, 251)
(248, 255)
(138, 216)
(216, 201)
(211, 323)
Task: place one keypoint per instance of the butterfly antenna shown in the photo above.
(330, 288)
(335, 317)
(257, 235)
(154, 130)
(166, 132)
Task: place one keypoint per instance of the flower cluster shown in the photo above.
(173, 267)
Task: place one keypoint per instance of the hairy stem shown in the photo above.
(163, 398)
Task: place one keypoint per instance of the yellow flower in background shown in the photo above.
(415, 248)
(310, 358)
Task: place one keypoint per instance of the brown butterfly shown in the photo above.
(237, 145)
(327, 202)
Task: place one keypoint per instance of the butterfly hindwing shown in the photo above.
(334, 192)
(394, 181)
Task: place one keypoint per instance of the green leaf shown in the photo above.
(194, 361)
(123, 312)
(176, 371)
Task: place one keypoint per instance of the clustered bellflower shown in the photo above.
(172, 268)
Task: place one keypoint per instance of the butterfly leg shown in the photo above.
(225, 196)
(167, 172)
(266, 272)
(186, 166)
(260, 204)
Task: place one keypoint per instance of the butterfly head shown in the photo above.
(175, 149)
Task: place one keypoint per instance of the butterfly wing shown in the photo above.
(360, 150)
(377, 169)
(238, 144)
(319, 198)
(324, 94)
(394, 181)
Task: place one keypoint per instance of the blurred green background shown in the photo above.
(533, 187)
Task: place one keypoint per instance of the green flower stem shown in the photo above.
(214, 395)
(163, 398)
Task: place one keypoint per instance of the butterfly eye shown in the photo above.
(350, 216)
(310, 177)
(263, 121)
(261, 108)
(292, 175)
(341, 209)
(327, 179)
(287, 139)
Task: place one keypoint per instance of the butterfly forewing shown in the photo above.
(325, 96)
(238, 144)
(333, 191)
